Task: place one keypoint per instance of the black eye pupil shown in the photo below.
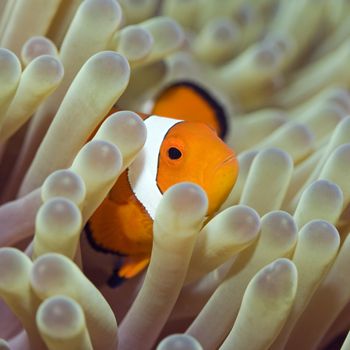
(174, 153)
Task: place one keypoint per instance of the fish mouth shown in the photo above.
(219, 182)
(227, 162)
(228, 159)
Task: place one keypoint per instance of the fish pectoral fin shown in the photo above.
(132, 266)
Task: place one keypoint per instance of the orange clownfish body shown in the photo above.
(191, 102)
(175, 151)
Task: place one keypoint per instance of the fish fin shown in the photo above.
(120, 228)
(127, 267)
(90, 238)
(191, 102)
(132, 265)
(115, 280)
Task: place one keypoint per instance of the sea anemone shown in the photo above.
(270, 270)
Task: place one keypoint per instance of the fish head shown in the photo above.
(193, 152)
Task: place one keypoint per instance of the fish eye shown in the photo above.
(174, 153)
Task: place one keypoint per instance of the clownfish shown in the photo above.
(176, 150)
(190, 101)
